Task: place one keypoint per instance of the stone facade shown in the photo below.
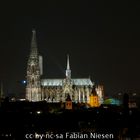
(54, 90)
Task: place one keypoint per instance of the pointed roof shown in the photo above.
(34, 51)
(59, 82)
(68, 63)
(68, 71)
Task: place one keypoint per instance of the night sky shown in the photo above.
(101, 37)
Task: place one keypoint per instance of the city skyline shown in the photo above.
(102, 40)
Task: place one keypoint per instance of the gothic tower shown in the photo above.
(33, 88)
(67, 83)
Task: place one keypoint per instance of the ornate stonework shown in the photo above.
(54, 90)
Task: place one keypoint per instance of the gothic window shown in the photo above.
(53, 98)
(85, 97)
(33, 81)
(33, 69)
(73, 86)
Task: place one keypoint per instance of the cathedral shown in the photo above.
(55, 90)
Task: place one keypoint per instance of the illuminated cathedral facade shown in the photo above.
(55, 90)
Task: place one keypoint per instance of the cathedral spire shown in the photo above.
(68, 71)
(34, 51)
(68, 63)
(33, 87)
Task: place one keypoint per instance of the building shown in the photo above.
(68, 103)
(53, 90)
(94, 99)
(100, 92)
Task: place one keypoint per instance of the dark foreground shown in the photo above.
(23, 120)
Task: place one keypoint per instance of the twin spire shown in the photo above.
(34, 53)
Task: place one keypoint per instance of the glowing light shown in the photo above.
(94, 101)
(112, 101)
(24, 82)
(22, 99)
(38, 112)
